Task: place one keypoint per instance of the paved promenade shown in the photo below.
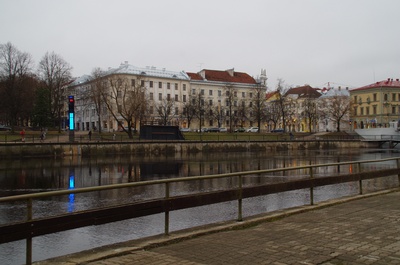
(362, 230)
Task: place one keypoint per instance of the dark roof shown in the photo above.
(229, 76)
(386, 83)
(304, 91)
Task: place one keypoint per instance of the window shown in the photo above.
(243, 94)
(362, 111)
(355, 99)
(168, 97)
(235, 103)
(159, 85)
(176, 97)
(119, 94)
(235, 94)
(210, 92)
(374, 109)
(393, 97)
(355, 111)
(210, 102)
(202, 102)
(151, 111)
(168, 86)
(385, 97)
(184, 98)
(374, 96)
(184, 87)
(250, 95)
(159, 96)
(142, 83)
(132, 82)
(193, 91)
(176, 111)
(227, 93)
(219, 93)
(393, 110)
(176, 86)
(202, 92)
(151, 83)
(251, 104)
(151, 95)
(367, 110)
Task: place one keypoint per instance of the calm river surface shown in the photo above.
(37, 175)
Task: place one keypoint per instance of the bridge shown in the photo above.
(32, 227)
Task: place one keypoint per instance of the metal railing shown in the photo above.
(34, 227)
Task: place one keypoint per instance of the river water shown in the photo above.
(37, 175)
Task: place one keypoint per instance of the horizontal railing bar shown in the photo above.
(181, 179)
(53, 224)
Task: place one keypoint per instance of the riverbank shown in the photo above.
(161, 148)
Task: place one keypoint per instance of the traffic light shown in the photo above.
(71, 104)
(71, 112)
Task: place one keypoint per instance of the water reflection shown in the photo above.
(34, 175)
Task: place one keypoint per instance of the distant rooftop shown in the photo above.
(126, 68)
(385, 83)
(228, 76)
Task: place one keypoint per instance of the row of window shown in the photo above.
(395, 97)
(160, 84)
(366, 110)
(227, 93)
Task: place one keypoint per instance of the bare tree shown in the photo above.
(311, 113)
(188, 112)
(281, 103)
(55, 73)
(165, 110)
(215, 113)
(125, 100)
(97, 89)
(231, 103)
(258, 104)
(15, 69)
(197, 99)
(338, 107)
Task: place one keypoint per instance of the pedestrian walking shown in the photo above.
(42, 136)
(22, 133)
(90, 135)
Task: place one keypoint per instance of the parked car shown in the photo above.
(4, 128)
(185, 130)
(204, 129)
(222, 129)
(252, 129)
(240, 129)
(280, 130)
(213, 129)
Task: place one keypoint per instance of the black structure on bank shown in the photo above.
(156, 132)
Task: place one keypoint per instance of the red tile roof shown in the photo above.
(386, 83)
(304, 91)
(223, 76)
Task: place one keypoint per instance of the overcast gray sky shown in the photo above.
(345, 42)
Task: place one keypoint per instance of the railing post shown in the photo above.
(29, 238)
(311, 188)
(360, 181)
(166, 220)
(240, 204)
(398, 166)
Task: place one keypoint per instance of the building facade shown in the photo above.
(375, 105)
(165, 93)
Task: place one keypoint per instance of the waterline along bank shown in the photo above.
(160, 148)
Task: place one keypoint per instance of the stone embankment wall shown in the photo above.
(167, 148)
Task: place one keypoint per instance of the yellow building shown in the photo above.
(375, 105)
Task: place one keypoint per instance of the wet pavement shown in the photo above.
(364, 229)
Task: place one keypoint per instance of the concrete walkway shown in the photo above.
(362, 230)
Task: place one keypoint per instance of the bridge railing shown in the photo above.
(32, 227)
